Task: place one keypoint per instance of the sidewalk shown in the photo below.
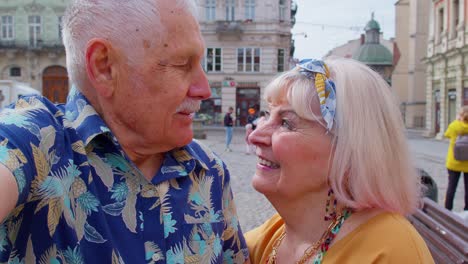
(429, 154)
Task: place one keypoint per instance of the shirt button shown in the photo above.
(155, 257)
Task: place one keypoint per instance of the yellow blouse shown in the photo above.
(454, 129)
(385, 238)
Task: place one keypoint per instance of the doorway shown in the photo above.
(437, 111)
(452, 107)
(246, 98)
(55, 84)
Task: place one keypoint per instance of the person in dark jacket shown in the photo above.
(228, 122)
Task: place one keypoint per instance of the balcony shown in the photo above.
(293, 9)
(53, 45)
(293, 13)
(229, 28)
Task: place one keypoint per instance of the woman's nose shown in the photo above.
(261, 136)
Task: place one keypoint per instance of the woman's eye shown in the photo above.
(286, 124)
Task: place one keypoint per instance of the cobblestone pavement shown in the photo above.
(429, 154)
(253, 209)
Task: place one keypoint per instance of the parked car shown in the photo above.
(10, 91)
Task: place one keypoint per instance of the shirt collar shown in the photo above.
(83, 117)
(187, 153)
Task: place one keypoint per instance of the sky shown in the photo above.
(322, 25)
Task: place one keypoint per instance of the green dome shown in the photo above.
(373, 54)
(372, 24)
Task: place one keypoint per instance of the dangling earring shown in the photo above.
(330, 212)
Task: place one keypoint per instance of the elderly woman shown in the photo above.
(333, 161)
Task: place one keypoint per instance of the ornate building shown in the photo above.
(30, 45)
(409, 75)
(374, 54)
(247, 43)
(446, 61)
(371, 49)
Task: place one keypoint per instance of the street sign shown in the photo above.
(229, 84)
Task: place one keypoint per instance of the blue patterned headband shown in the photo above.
(317, 71)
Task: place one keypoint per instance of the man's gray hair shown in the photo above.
(124, 23)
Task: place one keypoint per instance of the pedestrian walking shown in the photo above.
(228, 123)
(251, 117)
(249, 148)
(455, 167)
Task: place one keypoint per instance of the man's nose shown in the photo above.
(199, 88)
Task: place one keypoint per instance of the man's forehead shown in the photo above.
(173, 7)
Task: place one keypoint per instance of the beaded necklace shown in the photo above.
(320, 247)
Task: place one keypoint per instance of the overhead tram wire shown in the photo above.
(323, 26)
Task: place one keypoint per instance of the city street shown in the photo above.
(253, 208)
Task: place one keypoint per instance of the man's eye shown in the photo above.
(184, 65)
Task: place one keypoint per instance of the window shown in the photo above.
(60, 19)
(441, 20)
(15, 72)
(456, 12)
(210, 10)
(248, 59)
(455, 18)
(250, 9)
(213, 60)
(34, 30)
(282, 10)
(230, 10)
(281, 60)
(7, 27)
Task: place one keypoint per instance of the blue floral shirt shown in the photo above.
(81, 200)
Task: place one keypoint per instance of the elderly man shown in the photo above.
(113, 176)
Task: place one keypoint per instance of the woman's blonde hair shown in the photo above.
(371, 166)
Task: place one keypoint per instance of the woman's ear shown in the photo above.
(101, 66)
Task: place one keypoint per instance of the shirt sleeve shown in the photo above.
(21, 149)
(16, 158)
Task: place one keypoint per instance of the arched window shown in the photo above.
(15, 72)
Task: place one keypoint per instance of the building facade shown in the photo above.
(31, 47)
(409, 75)
(371, 49)
(446, 61)
(347, 50)
(373, 53)
(248, 42)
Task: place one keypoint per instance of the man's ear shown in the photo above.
(101, 66)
